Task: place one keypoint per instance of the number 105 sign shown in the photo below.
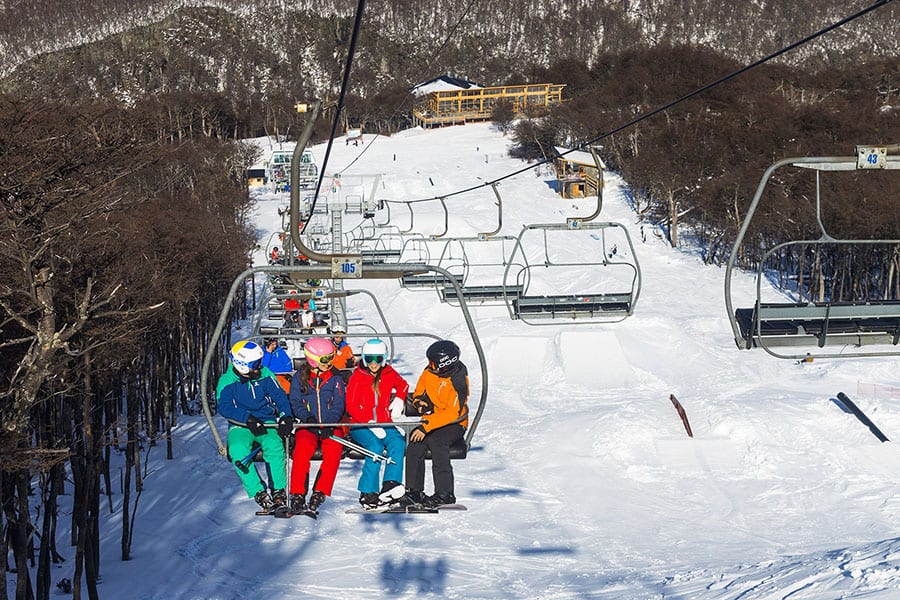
(346, 267)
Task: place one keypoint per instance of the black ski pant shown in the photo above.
(439, 442)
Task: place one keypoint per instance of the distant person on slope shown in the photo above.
(318, 395)
(370, 391)
(249, 397)
(440, 398)
(275, 257)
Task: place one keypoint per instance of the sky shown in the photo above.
(581, 481)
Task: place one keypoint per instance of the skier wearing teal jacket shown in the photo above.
(249, 396)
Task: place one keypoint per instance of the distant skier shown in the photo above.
(343, 355)
(318, 395)
(276, 257)
(249, 397)
(440, 397)
(278, 361)
(370, 390)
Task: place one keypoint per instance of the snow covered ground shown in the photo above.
(581, 482)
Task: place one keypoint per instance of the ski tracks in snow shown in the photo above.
(873, 567)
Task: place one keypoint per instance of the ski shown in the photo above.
(851, 407)
(410, 510)
(287, 514)
(452, 507)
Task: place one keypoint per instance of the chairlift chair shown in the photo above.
(808, 327)
(217, 351)
(450, 259)
(590, 306)
(479, 270)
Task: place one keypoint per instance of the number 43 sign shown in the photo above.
(346, 267)
(872, 157)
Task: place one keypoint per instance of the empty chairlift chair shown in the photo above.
(837, 283)
(600, 278)
(486, 259)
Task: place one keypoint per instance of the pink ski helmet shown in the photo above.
(318, 351)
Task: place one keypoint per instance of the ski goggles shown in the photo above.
(325, 359)
(373, 358)
(256, 365)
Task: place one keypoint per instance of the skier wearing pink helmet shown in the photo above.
(318, 395)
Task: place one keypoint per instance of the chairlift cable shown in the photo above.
(357, 25)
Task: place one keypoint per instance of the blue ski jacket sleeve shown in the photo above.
(263, 398)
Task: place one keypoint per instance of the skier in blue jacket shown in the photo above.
(276, 358)
(249, 397)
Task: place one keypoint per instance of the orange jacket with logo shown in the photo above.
(439, 402)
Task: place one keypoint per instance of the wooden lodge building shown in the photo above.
(576, 173)
(452, 101)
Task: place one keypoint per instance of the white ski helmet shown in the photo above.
(374, 347)
(246, 356)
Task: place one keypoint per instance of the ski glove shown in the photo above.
(255, 426)
(285, 426)
(326, 432)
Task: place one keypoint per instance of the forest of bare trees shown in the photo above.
(119, 235)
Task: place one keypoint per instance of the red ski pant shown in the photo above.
(305, 444)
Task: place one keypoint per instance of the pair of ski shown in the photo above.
(408, 510)
(284, 512)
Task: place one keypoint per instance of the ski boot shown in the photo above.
(279, 504)
(316, 500)
(265, 502)
(413, 499)
(298, 504)
(369, 500)
(437, 500)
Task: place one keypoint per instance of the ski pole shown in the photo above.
(244, 463)
(362, 450)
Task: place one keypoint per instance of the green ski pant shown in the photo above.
(240, 442)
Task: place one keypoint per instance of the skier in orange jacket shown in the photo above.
(441, 399)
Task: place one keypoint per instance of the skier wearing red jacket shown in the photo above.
(371, 388)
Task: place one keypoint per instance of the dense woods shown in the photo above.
(120, 235)
(124, 205)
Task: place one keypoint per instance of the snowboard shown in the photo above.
(409, 510)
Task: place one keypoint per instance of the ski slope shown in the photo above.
(581, 482)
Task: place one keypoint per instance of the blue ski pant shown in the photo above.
(240, 441)
(395, 444)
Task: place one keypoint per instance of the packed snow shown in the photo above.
(582, 481)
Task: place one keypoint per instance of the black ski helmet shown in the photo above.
(442, 356)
